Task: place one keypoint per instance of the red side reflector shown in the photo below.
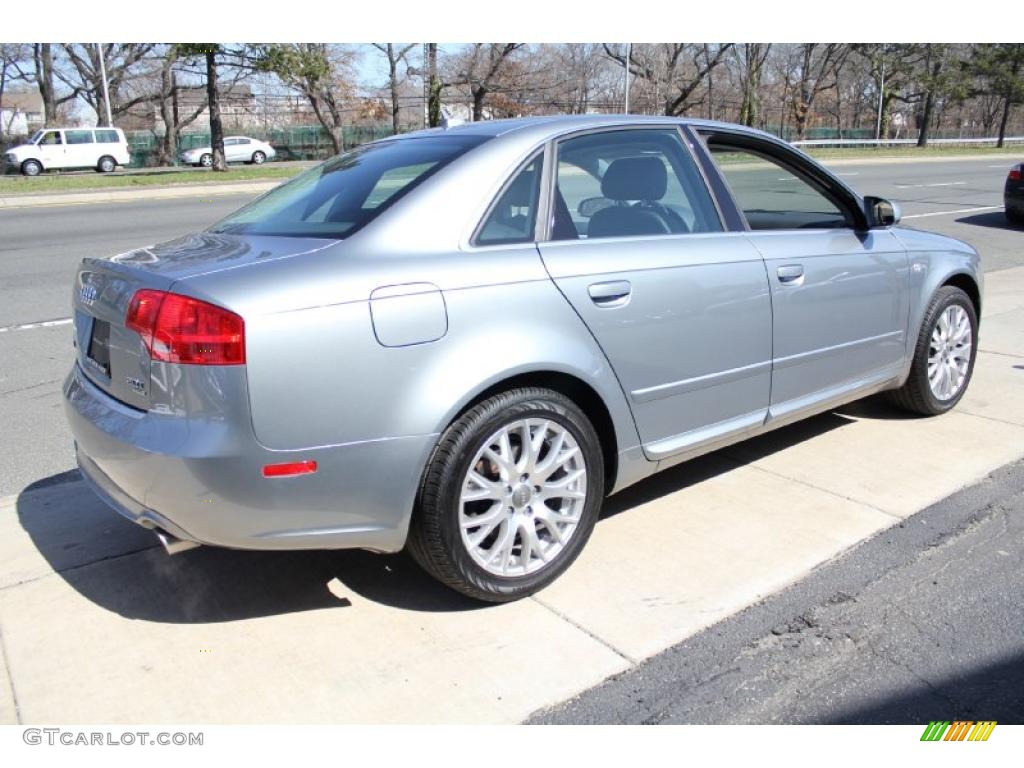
(289, 469)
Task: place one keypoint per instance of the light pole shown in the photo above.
(881, 94)
(106, 95)
(629, 54)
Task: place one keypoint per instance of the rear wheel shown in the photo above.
(31, 168)
(106, 164)
(510, 496)
(258, 158)
(944, 356)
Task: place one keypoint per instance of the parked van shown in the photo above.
(59, 148)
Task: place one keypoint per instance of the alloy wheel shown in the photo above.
(523, 497)
(949, 352)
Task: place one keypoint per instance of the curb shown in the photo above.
(132, 195)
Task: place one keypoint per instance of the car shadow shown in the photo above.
(993, 220)
(120, 567)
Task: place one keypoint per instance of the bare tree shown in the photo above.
(751, 58)
(676, 70)
(123, 63)
(481, 69)
(395, 55)
(817, 66)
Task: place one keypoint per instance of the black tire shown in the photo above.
(435, 539)
(31, 168)
(107, 164)
(258, 158)
(206, 161)
(916, 394)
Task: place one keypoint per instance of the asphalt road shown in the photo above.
(921, 623)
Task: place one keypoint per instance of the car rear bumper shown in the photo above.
(202, 481)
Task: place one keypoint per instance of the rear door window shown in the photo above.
(79, 137)
(629, 183)
(107, 137)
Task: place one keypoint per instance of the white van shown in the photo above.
(51, 148)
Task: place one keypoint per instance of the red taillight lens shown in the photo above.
(1014, 173)
(180, 329)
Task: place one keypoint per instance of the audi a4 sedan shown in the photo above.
(460, 341)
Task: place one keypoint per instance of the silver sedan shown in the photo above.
(460, 341)
(237, 149)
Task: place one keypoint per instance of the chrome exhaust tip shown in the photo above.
(173, 545)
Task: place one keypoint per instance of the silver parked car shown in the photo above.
(460, 341)
(237, 149)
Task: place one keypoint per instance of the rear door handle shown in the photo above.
(611, 294)
(791, 274)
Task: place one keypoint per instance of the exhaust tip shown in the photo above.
(172, 544)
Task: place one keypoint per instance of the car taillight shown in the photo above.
(180, 329)
(1014, 173)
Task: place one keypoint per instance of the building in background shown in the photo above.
(21, 113)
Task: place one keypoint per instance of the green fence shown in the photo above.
(300, 142)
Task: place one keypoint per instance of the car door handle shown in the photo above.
(612, 294)
(791, 274)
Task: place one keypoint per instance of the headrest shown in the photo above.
(635, 178)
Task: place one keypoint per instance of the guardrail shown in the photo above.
(895, 142)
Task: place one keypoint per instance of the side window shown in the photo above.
(230, 142)
(51, 137)
(775, 196)
(107, 137)
(241, 141)
(514, 215)
(79, 137)
(629, 183)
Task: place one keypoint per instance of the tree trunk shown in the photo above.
(479, 94)
(44, 80)
(393, 83)
(1007, 104)
(213, 102)
(434, 88)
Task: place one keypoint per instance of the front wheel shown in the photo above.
(31, 168)
(206, 161)
(944, 355)
(510, 496)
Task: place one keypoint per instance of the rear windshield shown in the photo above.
(347, 192)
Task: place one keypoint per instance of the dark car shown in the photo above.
(1013, 194)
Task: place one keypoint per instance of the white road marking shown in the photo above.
(937, 184)
(41, 324)
(961, 210)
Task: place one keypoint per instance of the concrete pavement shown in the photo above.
(99, 625)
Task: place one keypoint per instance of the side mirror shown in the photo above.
(881, 212)
(592, 205)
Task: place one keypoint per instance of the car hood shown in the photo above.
(21, 148)
(204, 253)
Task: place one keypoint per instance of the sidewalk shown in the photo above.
(98, 625)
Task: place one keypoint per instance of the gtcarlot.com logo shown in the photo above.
(69, 738)
(958, 730)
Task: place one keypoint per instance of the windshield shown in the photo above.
(35, 137)
(344, 194)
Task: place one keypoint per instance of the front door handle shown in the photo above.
(791, 274)
(611, 294)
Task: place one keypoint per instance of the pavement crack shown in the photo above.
(30, 386)
(80, 566)
(632, 662)
(5, 658)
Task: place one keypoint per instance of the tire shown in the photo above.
(1014, 216)
(31, 168)
(508, 507)
(107, 164)
(206, 161)
(258, 158)
(919, 394)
